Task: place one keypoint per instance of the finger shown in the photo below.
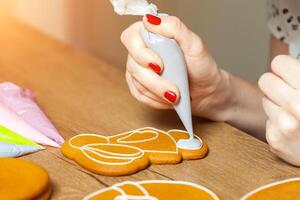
(288, 69)
(273, 137)
(280, 93)
(142, 98)
(153, 82)
(284, 149)
(271, 110)
(147, 93)
(172, 27)
(285, 122)
(137, 49)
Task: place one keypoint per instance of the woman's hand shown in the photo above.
(207, 81)
(282, 105)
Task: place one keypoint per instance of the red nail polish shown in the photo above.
(155, 67)
(171, 96)
(153, 19)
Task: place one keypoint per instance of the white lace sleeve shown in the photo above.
(275, 24)
(284, 23)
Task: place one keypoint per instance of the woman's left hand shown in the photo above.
(281, 103)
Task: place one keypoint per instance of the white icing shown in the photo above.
(191, 143)
(268, 186)
(121, 140)
(133, 7)
(129, 158)
(147, 196)
(124, 196)
(131, 197)
(111, 153)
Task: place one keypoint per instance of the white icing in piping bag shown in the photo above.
(174, 64)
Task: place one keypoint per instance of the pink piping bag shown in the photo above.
(21, 101)
(12, 121)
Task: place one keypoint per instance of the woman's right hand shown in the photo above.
(208, 83)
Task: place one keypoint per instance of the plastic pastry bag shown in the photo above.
(21, 101)
(8, 136)
(13, 150)
(14, 122)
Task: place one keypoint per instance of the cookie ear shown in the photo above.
(111, 159)
(113, 152)
(138, 137)
(106, 158)
(87, 139)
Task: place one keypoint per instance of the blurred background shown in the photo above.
(235, 31)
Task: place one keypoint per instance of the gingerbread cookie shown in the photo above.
(287, 189)
(154, 190)
(129, 152)
(21, 179)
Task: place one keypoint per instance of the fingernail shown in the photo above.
(155, 67)
(153, 19)
(171, 96)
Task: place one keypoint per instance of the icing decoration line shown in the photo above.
(128, 158)
(111, 153)
(124, 196)
(121, 140)
(88, 134)
(162, 132)
(268, 186)
(116, 187)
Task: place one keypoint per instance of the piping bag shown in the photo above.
(174, 63)
(8, 150)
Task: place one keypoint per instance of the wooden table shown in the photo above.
(81, 93)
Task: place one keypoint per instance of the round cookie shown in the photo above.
(129, 152)
(287, 189)
(154, 190)
(21, 179)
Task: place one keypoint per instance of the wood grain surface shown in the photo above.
(82, 94)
